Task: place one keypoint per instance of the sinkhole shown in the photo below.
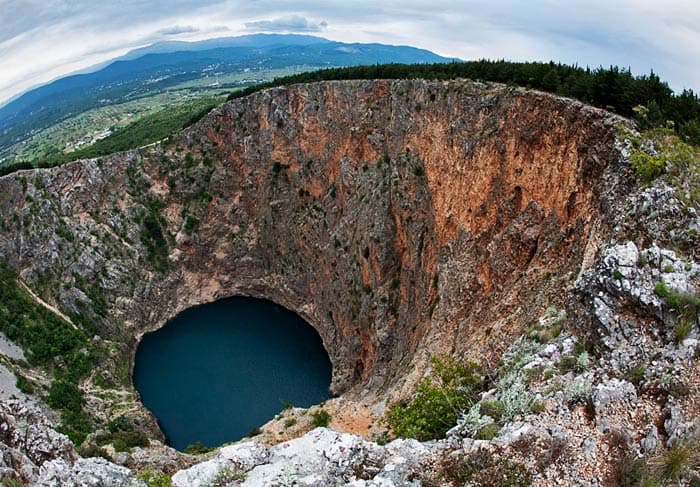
(218, 370)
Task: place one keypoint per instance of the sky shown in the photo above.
(41, 40)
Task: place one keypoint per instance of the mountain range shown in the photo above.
(164, 66)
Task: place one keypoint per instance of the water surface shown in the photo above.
(218, 370)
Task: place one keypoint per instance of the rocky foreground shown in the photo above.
(475, 220)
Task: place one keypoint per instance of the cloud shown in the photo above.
(177, 29)
(292, 23)
(62, 36)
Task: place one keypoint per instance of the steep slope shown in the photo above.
(401, 219)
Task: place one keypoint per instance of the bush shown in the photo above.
(197, 448)
(488, 432)
(661, 289)
(65, 396)
(635, 375)
(438, 401)
(494, 409)
(321, 418)
(153, 478)
(647, 167)
(24, 385)
(190, 224)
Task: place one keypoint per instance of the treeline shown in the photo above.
(144, 131)
(646, 99)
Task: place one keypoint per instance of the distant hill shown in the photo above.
(157, 68)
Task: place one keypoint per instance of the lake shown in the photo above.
(218, 370)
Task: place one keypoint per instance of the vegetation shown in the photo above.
(152, 236)
(24, 384)
(321, 418)
(50, 342)
(481, 468)
(42, 334)
(225, 477)
(197, 448)
(438, 401)
(686, 305)
(667, 154)
(645, 98)
(669, 466)
(146, 130)
(153, 478)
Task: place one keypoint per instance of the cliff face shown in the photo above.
(400, 218)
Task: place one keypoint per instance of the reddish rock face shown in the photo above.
(400, 218)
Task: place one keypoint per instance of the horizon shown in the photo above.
(65, 38)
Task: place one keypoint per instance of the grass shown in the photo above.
(666, 468)
(686, 305)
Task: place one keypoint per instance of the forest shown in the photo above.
(645, 98)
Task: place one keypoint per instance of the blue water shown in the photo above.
(218, 370)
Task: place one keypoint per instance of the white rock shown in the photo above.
(611, 393)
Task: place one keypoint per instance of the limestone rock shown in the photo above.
(613, 393)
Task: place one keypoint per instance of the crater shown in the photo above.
(397, 232)
(217, 371)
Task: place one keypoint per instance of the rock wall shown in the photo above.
(400, 218)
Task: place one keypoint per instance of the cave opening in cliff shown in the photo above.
(218, 371)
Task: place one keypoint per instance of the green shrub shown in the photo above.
(438, 400)
(488, 432)
(153, 478)
(647, 167)
(494, 409)
(225, 477)
(321, 418)
(289, 422)
(254, 432)
(567, 363)
(76, 425)
(197, 448)
(42, 334)
(635, 375)
(661, 289)
(152, 236)
(686, 305)
(24, 384)
(65, 396)
(190, 224)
